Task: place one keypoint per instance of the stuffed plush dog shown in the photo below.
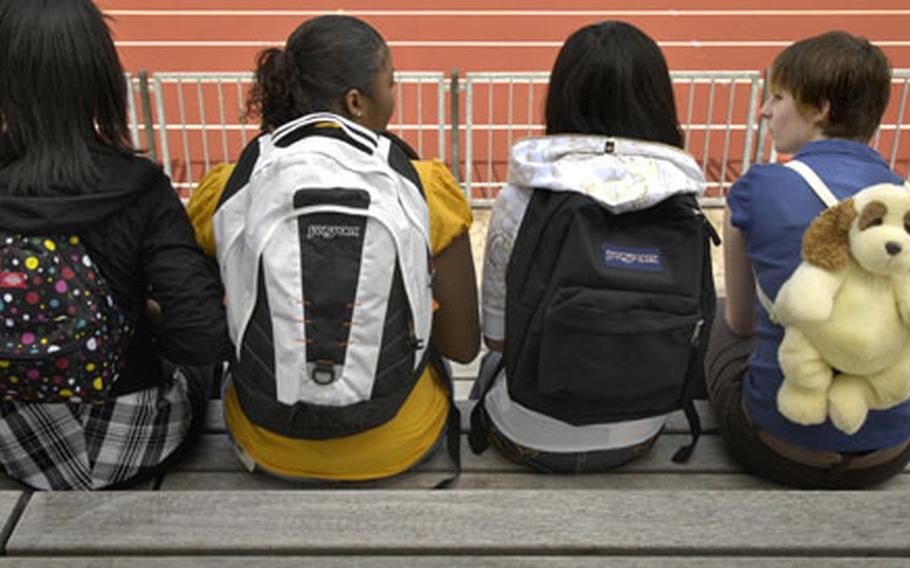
(846, 312)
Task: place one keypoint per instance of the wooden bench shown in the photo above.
(651, 513)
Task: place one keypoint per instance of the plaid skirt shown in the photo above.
(86, 446)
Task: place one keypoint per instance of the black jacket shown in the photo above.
(138, 233)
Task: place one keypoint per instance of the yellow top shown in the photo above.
(202, 205)
(389, 448)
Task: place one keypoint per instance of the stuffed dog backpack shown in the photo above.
(324, 254)
(846, 309)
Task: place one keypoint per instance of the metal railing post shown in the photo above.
(898, 122)
(750, 125)
(162, 126)
(455, 134)
(762, 125)
(132, 118)
(146, 102)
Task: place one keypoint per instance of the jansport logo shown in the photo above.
(632, 258)
(329, 232)
(13, 280)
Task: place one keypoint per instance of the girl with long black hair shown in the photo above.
(612, 136)
(106, 400)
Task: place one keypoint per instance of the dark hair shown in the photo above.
(847, 71)
(62, 90)
(323, 59)
(611, 79)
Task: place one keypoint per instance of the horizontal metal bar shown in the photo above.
(239, 126)
(541, 126)
(233, 76)
(706, 76)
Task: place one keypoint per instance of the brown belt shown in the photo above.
(824, 460)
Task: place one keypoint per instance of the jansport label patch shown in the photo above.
(632, 258)
(329, 232)
(13, 280)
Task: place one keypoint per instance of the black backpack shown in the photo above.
(607, 315)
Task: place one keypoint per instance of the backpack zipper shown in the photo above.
(696, 333)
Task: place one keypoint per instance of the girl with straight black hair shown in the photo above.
(61, 93)
(611, 79)
(613, 136)
(96, 390)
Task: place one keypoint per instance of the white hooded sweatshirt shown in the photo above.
(623, 175)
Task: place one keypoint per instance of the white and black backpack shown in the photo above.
(324, 246)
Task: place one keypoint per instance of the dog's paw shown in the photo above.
(801, 405)
(847, 404)
(802, 364)
(808, 295)
(890, 387)
(809, 308)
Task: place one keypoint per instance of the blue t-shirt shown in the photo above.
(772, 206)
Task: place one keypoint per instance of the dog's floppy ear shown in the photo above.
(826, 241)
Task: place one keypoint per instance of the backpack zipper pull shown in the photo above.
(696, 333)
(434, 278)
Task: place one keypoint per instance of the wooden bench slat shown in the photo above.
(444, 562)
(241, 481)
(9, 510)
(216, 453)
(214, 421)
(467, 371)
(647, 523)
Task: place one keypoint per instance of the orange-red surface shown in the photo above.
(439, 35)
(479, 35)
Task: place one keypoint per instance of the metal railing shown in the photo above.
(201, 120)
(529, 82)
(887, 138)
(132, 89)
(410, 86)
(194, 120)
(499, 106)
(197, 121)
(900, 81)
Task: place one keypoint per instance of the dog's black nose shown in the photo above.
(893, 248)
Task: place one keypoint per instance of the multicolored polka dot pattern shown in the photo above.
(62, 337)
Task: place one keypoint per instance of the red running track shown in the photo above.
(476, 35)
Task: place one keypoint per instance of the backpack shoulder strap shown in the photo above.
(763, 299)
(453, 424)
(478, 437)
(815, 183)
(820, 189)
(683, 454)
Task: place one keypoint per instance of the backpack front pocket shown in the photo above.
(627, 351)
